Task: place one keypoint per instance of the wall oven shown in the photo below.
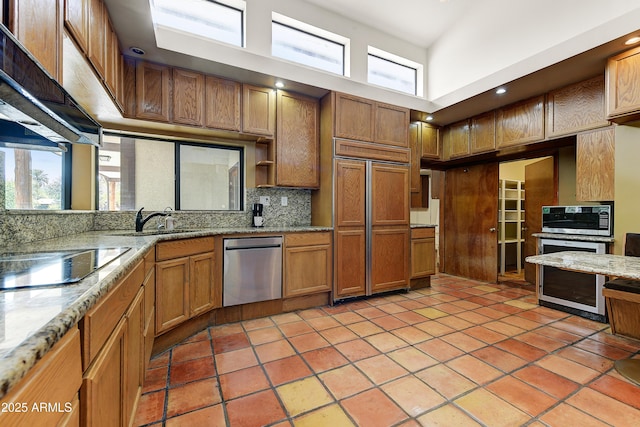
(570, 291)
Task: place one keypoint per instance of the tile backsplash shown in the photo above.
(28, 226)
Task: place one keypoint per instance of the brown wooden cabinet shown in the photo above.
(520, 123)
(298, 143)
(622, 89)
(97, 36)
(416, 151)
(113, 77)
(184, 281)
(429, 137)
(258, 110)
(38, 26)
(54, 379)
(576, 108)
(456, 140)
(307, 263)
(149, 306)
(391, 125)
(152, 91)
(222, 104)
(423, 252)
(188, 97)
(366, 120)
(134, 357)
(595, 165)
(76, 19)
(483, 132)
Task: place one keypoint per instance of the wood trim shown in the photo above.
(183, 247)
(373, 151)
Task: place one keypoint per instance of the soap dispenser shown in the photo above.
(169, 223)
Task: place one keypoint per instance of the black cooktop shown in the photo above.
(28, 270)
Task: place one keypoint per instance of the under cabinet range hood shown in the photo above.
(34, 108)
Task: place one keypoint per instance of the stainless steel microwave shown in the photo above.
(586, 220)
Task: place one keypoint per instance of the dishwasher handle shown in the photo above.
(240, 248)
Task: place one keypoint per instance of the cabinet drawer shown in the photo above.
(307, 239)
(183, 247)
(421, 233)
(100, 321)
(54, 380)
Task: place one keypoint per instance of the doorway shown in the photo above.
(524, 187)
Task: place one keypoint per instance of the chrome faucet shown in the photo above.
(140, 222)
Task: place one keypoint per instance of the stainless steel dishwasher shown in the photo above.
(252, 270)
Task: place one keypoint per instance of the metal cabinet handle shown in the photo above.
(492, 229)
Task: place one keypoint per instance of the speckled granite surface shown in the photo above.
(33, 320)
(610, 265)
(576, 237)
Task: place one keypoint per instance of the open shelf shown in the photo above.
(510, 223)
(265, 163)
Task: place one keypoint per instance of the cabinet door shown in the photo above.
(103, 386)
(172, 293)
(113, 69)
(389, 195)
(201, 283)
(416, 152)
(623, 91)
(389, 258)
(188, 97)
(149, 316)
(134, 358)
(577, 107)
(456, 139)
(258, 110)
(76, 19)
(350, 259)
(222, 104)
(152, 91)
(430, 142)
(298, 141)
(354, 117)
(520, 123)
(97, 35)
(595, 166)
(307, 270)
(391, 125)
(350, 176)
(483, 132)
(423, 257)
(38, 26)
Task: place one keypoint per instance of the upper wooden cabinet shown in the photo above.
(152, 91)
(595, 166)
(188, 97)
(455, 139)
(391, 125)
(483, 132)
(430, 141)
(622, 88)
(298, 141)
(38, 26)
(416, 151)
(366, 120)
(97, 35)
(576, 108)
(222, 104)
(520, 123)
(76, 19)
(258, 110)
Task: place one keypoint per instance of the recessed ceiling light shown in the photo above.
(137, 50)
(632, 40)
(501, 90)
(279, 84)
(429, 118)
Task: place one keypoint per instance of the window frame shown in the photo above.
(417, 68)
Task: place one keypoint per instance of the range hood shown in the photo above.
(35, 110)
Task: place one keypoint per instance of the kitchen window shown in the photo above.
(222, 21)
(138, 171)
(394, 72)
(34, 179)
(308, 45)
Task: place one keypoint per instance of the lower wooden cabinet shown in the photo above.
(423, 252)
(389, 258)
(184, 281)
(54, 380)
(307, 263)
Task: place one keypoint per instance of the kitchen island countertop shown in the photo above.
(609, 265)
(33, 320)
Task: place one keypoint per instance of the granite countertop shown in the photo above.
(577, 237)
(33, 320)
(609, 265)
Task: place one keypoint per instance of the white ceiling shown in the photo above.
(420, 22)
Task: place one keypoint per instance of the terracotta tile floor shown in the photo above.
(461, 353)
